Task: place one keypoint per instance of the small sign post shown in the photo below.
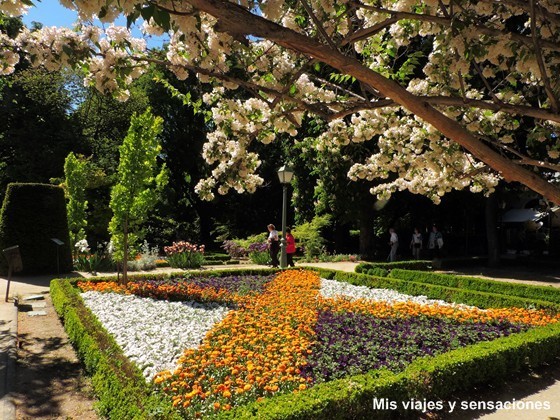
(15, 265)
(58, 244)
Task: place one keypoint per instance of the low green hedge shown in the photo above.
(548, 293)
(122, 390)
(388, 266)
(454, 262)
(480, 298)
(216, 257)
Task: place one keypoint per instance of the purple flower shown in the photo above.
(350, 343)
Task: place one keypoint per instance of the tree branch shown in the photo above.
(317, 23)
(367, 32)
(544, 14)
(528, 111)
(523, 159)
(255, 89)
(527, 41)
(538, 54)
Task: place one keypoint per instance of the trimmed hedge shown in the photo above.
(548, 293)
(474, 297)
(380, 267)
(31, 215)
(216, 257)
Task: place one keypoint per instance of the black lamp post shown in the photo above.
(285, 174)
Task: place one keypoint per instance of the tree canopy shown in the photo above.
(454, 94)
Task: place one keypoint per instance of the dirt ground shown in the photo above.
(50, 382)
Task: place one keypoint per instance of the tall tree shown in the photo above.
(138, 180)
(37, 130)
(75, 173)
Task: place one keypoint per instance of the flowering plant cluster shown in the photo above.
(234, 249)
(145, 260)
(184, 255)
(92, 262)
(258, 253)
(295, 330)
(254, 352)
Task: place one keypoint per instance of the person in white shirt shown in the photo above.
(394, 244)
(273, 245)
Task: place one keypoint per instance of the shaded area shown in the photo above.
(50, 382)
(535, 275)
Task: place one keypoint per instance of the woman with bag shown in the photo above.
(416, 244)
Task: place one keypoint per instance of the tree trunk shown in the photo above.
(238, 21)
(125, 252)
(491, 214)
(205, 221)
(366, 221)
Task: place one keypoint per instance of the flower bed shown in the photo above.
(296, 331)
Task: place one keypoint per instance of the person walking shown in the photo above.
(273, 245)
(394, 244)
(416, 244)
(290, 247)
(435, 242)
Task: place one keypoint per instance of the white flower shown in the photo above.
(153, 333)
(82, 246)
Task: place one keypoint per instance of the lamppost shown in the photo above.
(285, 174)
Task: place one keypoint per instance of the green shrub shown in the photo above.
(31, 215)
(388, 266)
(378, 271)
(210, 258)
(245, 243)
(260, 258)
(309, 238)
(548, 293)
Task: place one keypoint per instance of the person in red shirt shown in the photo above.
(290, 247)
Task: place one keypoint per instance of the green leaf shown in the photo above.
(131, 18)
(102, 12)
(147, 12)
(162, 18)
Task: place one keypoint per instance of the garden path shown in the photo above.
(49, 383)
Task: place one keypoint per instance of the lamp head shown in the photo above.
(285, 174)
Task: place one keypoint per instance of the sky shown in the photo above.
(52, 13)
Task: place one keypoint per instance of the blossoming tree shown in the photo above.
(454, 93)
